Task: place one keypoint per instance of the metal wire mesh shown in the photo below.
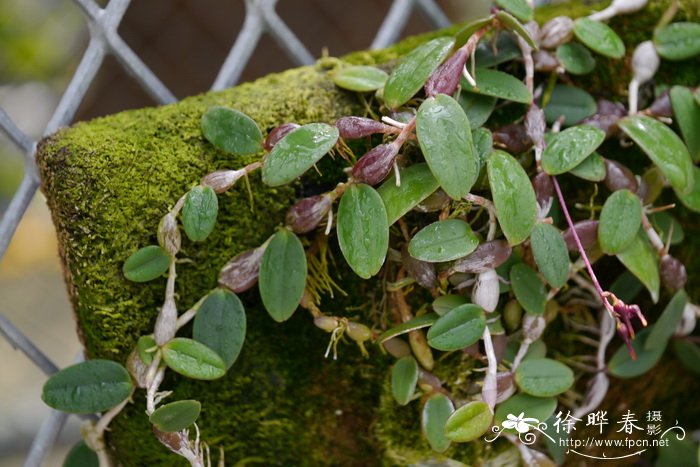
(103, 23)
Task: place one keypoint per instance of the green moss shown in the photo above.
(109, 181)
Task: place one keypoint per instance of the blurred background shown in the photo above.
(184, 42)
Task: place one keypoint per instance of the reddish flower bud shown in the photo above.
(376, 164)
(618, 177)
(556, 31)
(488, 255)
(445, 79)
(544, 189)
(513, 138)
(277, 134)
(305, 215)
(607, 116)
(172, 440)
(241, 273)
(359, 127)
(673, 273)
(587, 232)
(221, 180)
(661, 107)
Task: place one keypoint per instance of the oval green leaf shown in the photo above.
(176, 416)
(540, 408)
(570, 148)
(231, 131)
(81, 455)
(460, 327)
(575, 58)
(146, 264)
(551, 254)
(404, 377)
(199, 212)
(468, 422)
(477, 107)
(513, 196)
(592, 168)
(678, 41)
(687, 112)
(691, 200)
(667, 323)
(623, 366)
(436, 411)
(519, 8)
(445, 137)
(193, 359)
(667, 225)
(512, 24)
(574, 104)
(599, 37)
(506, 49)
(282, 275)
(297, 152)
(663, 147)
(543, 377)
(414, 70)
(688, 353)
(363, 230)
(417, 183)
(220, 324)
(443, 241)
(445, 303)
(528, 288)
(416, 323)
(499, 84)
(483, 142)
(88, 387)
(146, 346)
(620, 220)
(642, 261)
(360, 78)
(537, 349)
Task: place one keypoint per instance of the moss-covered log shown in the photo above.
(110, 180)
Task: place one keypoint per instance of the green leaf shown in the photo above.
(537, 349)
(540, 408)
(572, 103)
(363, 230)
(282, 275)
(667, 323)
(231, 131)
(146, 264)
(81, 455)
(570, 148)
(663, 147)
(414, 70)
(678, 41)
(506, 49)
(443, 241)
(467, 31)
(626, 287)
(88, 387)
(692, 200)
(592, 168)
(460, 327)
(620, 220)
(199, 212)
(514, 25)
(513, 196)
(360, 78)
(297, 152)
(621, 363)
(417, 183)
(551, 255)
(445, 138)
(483, 142)
(498, 84)
(599, 37)
(575, 58)
(543, 377)
(519, 8)
(468, 422)
(445, 303)
(220, 324)
(404, 377)
(477, 107)
(176, 416)
(416, 323)
(666, 224)
(688, 353)
(687, 112)
(146, 346)
(436, 412)
(193, 359)
(642, 261)
(528, 288)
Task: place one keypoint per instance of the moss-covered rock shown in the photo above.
(110, 180)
